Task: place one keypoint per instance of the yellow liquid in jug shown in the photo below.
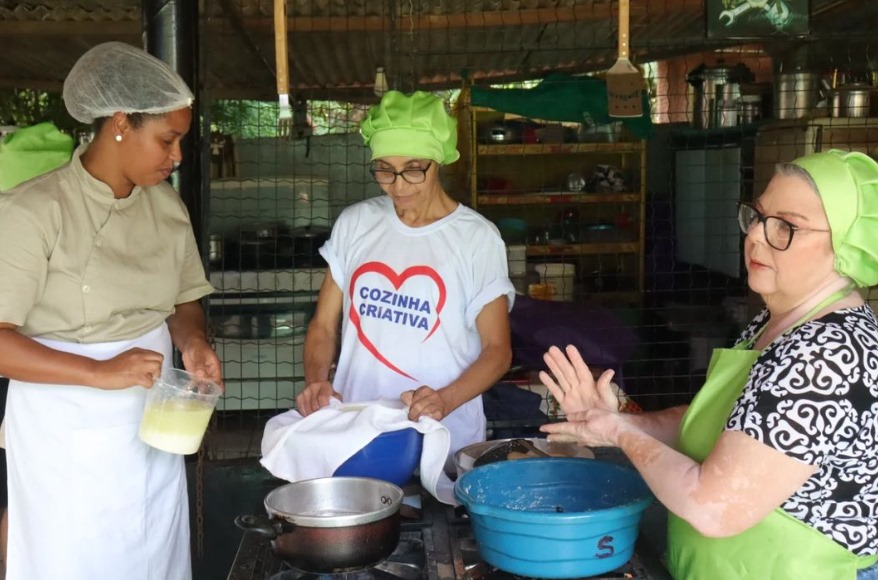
(175, 426)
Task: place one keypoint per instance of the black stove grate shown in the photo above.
(256, 560)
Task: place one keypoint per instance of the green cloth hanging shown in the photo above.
(32, 151)
(565, 98)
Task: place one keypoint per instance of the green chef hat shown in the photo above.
(32, 151)
(848, 186)
(411, 126)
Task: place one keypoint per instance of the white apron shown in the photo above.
(87, 499)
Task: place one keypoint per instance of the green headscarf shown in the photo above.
(411, 126)
(847, 183)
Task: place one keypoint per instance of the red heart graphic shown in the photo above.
(397, 280)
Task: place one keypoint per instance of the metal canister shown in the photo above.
(713, 94)
(704, 82)
(215, 249)
(854, 100)
(795, 94)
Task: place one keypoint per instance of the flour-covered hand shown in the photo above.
(573, 385)
(594, 428)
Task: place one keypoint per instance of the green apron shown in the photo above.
(780, 547)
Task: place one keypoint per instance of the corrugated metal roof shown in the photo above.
(335, 45)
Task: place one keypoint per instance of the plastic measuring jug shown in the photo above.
(178, 409)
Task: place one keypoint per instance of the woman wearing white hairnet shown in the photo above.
(99, 274)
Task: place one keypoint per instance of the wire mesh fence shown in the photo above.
(621, 234)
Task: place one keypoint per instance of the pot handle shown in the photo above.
(263, 526)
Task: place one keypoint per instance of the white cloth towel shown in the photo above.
(295, 448)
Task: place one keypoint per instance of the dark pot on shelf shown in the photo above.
(251, 254)
(306, 243)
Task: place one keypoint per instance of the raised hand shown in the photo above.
(573, 385)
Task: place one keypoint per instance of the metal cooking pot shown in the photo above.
(852, 100)
(796, 94)
(216, 253)
(500, 133)
(713, 93)
(330, 524)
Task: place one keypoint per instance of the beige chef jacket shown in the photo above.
(78, 265)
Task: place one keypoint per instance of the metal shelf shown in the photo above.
(584, 249)
(555, 197)
(556, 148)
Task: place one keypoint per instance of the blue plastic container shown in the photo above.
(392, 456)
(554, 517)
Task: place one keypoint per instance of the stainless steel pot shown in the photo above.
(500, 133)
(854, 100)
(216, 250)
(796, 94)
(330, 524)
(713, 94)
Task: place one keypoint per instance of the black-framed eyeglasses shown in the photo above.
(778, 231)
(388, 176)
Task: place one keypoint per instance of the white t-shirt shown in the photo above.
(411, 298)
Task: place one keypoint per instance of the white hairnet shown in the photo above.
(117, 77)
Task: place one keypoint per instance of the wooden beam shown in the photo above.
(302, 24)
(107, 28)
(33, 84)
(464, 20)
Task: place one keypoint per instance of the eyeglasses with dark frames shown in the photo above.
(778, 231)
(413, 176)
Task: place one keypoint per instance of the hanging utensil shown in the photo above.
(285, 111)
(624, 80)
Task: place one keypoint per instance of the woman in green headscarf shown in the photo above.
(772, 471)
(417, 283)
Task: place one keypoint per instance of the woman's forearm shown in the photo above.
(672, 476)
(24, 359)
(493, 362)
(187, 323)
(319, 353)
(662, 425)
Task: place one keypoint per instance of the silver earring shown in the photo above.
(118, 138)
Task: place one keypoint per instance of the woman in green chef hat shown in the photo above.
(417, 291)
(772, 471)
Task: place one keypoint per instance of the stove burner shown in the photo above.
(405, 563)
(256, 561)
(383, 571)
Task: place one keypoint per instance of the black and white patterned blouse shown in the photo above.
(813, 394)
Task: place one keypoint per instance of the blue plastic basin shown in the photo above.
(554, 517)
(392, 456)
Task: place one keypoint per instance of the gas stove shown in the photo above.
(436, 543)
